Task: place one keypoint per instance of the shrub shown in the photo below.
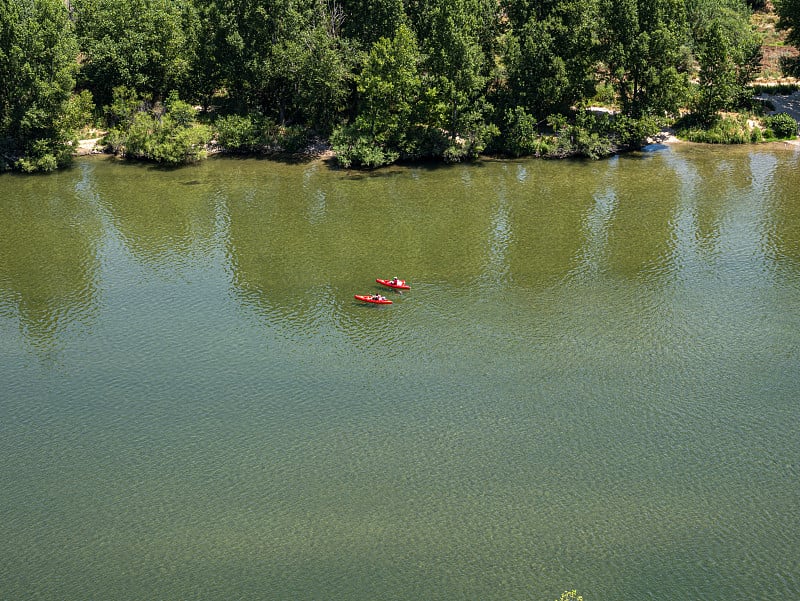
(631, 133)
(238, 134)
(775, 89)
(604, 94)
(592, 145)
(79, 111)
(124, 106)
(289, 138)
(165, 134)
(521, 133)
(354, 149)
(43, 155)
(782, 125)
(722, 130)
(181, 113)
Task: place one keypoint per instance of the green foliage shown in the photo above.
(387, 80)
(389, 88)
(155, 132)
(256, 134)
(722, 130)
(587, 136)
(237, 133)
(37, 63)
(405, 115)
(125, 104)
(370, 20)
(146, 45)
(457, 38)
(783, 126)
(728, 51)
(181, 113)
(311, 78)
(285, 60)
(631, 133)
(550, 53)
(570, 596)
(646, 47)
(604, 94)
(778, 89)
(521, 135)
(353, 149)
(79, 111)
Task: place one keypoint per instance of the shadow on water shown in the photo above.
(654, 148)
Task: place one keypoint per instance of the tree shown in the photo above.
(309, 74)
(367, 21)
(389, 86)
(646, 50)
(551, 54)
(459, 39)
(145, 45)
(728, 51)
(164, 133)
(286, 60)
(38, 61)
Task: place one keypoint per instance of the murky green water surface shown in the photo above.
(594, 382)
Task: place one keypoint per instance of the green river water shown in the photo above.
(593, 384)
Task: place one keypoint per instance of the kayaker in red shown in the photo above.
(373, 298)
(395, 282)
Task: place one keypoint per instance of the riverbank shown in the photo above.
(89, 146)
(781, 103)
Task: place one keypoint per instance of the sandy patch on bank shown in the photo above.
(665, 136)
(89, 145)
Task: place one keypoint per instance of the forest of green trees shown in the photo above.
(381, 81)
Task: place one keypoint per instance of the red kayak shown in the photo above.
(399, 284)
(371, 298)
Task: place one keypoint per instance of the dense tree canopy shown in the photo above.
(646, 47)
(147, 45)
(551, 54)
(37, 69)
(383, 80)
(728, 54)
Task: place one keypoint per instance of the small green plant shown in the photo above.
(781, 89)
(354, 149)
(631, 133)
(783, 126)
(521, 136)
(721, 130)
(236, 133)
(605, 95)
(80, 110)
